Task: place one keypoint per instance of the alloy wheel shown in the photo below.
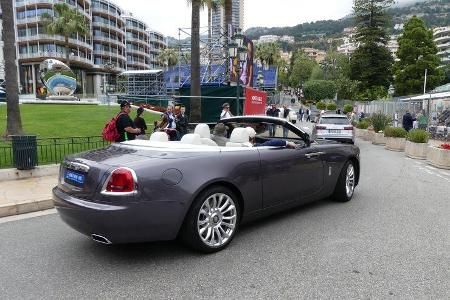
(350, 180)
(216, 220)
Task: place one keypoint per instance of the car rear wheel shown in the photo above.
(345, 186)
(212, 220)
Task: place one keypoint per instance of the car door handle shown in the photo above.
(314, 154)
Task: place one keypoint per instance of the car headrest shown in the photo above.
(208, 142)
(159, 137)
(251, 132)
(191, 138)
(203, 130)
(239, 135)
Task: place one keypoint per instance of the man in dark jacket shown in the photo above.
(273, 112)
(182, 122)
(124, 124)
(407, 121)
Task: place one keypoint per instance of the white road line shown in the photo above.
(27, 216)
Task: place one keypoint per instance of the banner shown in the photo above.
(246, 67)
(255, 102)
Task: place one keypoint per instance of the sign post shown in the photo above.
(255, 102)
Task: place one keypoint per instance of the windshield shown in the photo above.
(335, 120)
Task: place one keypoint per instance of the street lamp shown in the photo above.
(236, 51)
(260, 80)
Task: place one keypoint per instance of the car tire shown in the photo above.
(345, 185)
(211, 230)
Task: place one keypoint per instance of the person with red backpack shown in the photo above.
(121, 127)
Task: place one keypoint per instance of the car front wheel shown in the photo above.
(212, 220)
(345, 186)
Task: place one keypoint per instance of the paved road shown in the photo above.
(390, 241)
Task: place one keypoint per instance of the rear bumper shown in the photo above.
(340, 138)
(134, 222)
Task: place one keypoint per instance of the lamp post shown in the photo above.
(108, 66)
(237, 51)
(260, 80)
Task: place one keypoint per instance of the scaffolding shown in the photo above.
(213, 58)
(142, 83)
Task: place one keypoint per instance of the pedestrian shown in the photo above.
(168, 124)
(300, 114)
(225, 111)
(423, 121)
(285, 115)
(273, 111)
(338, 111)
(182, 122)
(407, 121)
(396, 119)
(124, 124)
(139, 121)
(220, 134)
(308, 115)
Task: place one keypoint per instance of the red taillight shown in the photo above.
(121, 181)
(321, 127)
(348, 128)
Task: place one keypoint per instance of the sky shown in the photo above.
(167, 16)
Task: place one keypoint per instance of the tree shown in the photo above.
(268, 53)
(371, 63)
(13, 121)
(67, 22)
(228, 5)
(417, 52)
(301, 68)
(319, 89)
(195, 102)
(168, 57)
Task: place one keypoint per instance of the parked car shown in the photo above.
(292, 114)
(2, 94)
(148, 190)
(334, 127)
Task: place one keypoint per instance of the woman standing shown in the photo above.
(139, 121)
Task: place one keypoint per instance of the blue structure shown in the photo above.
(179, 76)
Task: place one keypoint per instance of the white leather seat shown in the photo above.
(159, 137)
(239, 138)
(205, 135)
(191, 138)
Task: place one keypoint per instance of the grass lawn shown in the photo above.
(53, 120)
(62, 121)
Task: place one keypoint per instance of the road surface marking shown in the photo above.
(27, 216)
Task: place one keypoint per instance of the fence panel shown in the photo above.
(53, 150)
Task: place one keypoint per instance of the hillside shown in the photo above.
(434, 12)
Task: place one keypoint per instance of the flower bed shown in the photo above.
(439, 156)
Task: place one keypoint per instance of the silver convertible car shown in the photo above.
(148, 190)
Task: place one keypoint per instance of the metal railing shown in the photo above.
(53, 150)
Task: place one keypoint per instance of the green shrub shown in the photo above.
(417, 136)
(397, 132)
(331, 106)
(348, 108)
(379, 121)
(362, 124)
(321, 105)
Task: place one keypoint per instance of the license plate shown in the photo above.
(74, 177)
(334, 130)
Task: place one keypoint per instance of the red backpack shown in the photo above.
(110, 132)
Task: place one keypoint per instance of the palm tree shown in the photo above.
(195, 102)
(168, 57)
(13, 121)
(228, 13)
(212, 6)
(65, 21)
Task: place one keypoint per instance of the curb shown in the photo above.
(39, 171)
(12, 209)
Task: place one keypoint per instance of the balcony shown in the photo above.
(99, 9)
(108, 40)
(40, 37)
(109, 26)
(442, 39)
(132, 39)
(58, 55)
(138, 52)
(139, 64)
(33, 2)
(108, 54)
(443, 46)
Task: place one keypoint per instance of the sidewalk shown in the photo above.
(26, 195)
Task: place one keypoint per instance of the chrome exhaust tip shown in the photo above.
(100, 239)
